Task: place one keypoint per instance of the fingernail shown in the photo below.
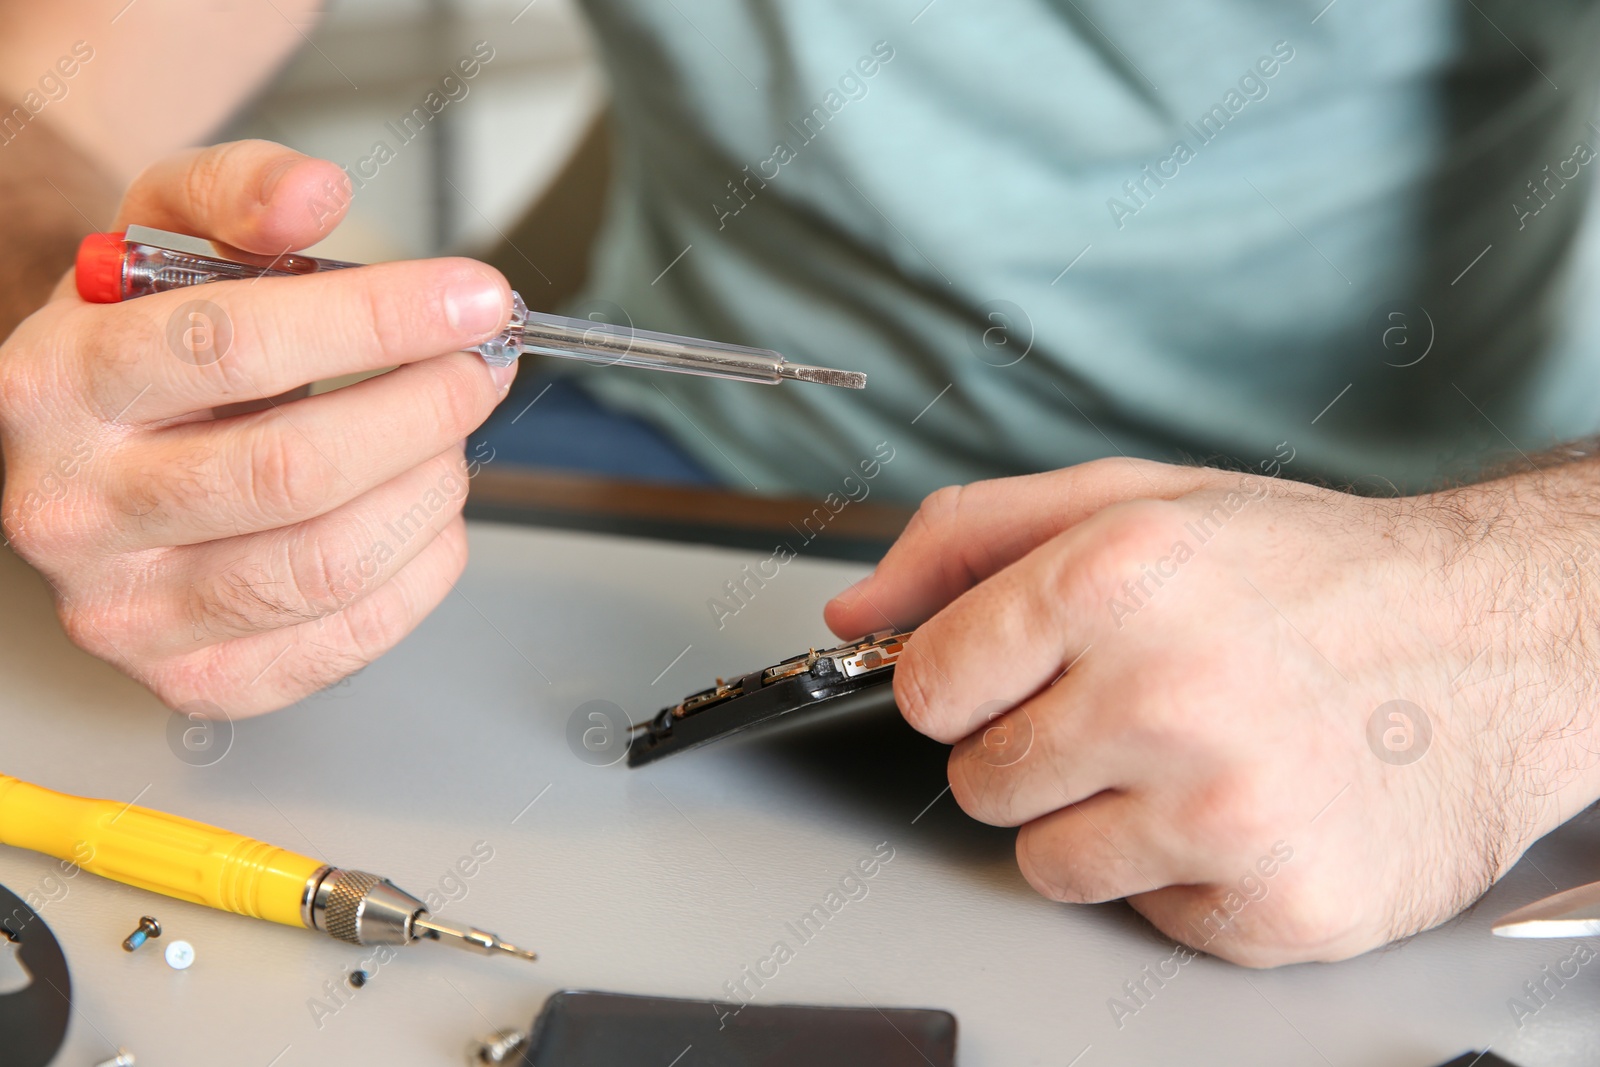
(502, 377)
(475, 306)
(269, 184)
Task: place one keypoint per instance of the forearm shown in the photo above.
(145, 79)
(1526, 557)
(52, 194)
(74, 134)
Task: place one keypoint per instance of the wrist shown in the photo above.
(1516, 558)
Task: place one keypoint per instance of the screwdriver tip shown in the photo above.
(471, 939)
(844, 379)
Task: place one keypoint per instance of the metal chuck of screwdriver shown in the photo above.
(364, 909)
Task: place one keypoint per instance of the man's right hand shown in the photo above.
(248, 560)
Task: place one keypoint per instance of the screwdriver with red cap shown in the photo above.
(142, 260)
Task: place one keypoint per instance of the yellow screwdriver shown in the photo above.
(204, 865)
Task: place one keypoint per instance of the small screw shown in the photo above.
(148, 928)
(359, 978)
(123, 1058)
(498, 1047)
(180, 954)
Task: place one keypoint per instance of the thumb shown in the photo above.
(254, 195)
(962, 534)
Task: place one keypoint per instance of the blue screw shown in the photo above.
(148, 928)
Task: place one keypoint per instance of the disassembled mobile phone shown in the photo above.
(802, 685)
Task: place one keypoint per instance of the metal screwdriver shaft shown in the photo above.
(365, 909)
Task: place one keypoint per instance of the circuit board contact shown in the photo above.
(810, 680)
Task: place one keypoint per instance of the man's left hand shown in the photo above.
(1286, 723)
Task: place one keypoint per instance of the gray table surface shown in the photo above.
(671, 879)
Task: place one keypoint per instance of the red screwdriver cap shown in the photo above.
(99, 268)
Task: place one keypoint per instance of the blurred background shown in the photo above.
(466, 182)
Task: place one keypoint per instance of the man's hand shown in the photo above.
(248, 560)
(1286, 723)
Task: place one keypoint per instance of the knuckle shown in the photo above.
(283, 481)
(389, 324)
(329, 665)
(206, 675)
(19, 390)
(1046, 861)
(312, 573)
(986, 793)
(52, 363)
(938, 518)
(1122, 553)
(227, 378)
(100, 364)
(23, 535)
(1232, 813)
(91, 627)
(1114, 469)
(460, 401)
(321, 580)
(369, 634)
(969, 789)
(1295, 926)
(201, 351)
(199, 183)
(1154, 710)
(235, 602)
(1133, 528)
(372, 627)
(180, 480)
(454, 538)
(1041, 876)
(207, 176)
(176, 685)
(939, 508)
(27, 527)
(67, 533)
(1304, 924)
(232, 674)
(914, 686)
(50, 513)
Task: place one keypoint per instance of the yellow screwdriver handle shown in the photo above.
(162, 853)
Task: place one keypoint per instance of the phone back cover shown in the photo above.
(580, 1029)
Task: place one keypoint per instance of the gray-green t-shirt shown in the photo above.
(1051, 230)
